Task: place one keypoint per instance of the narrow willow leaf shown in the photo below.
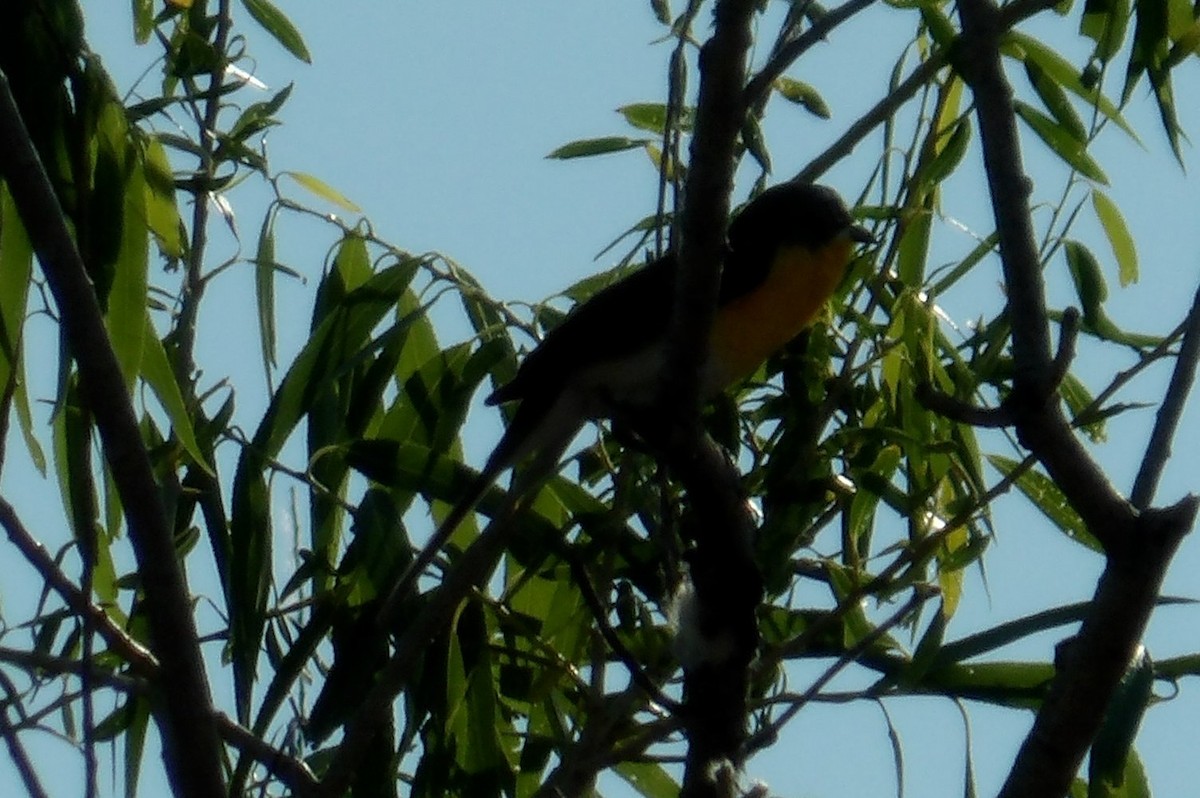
(1105, 22)
(1113, 745)
(804, 95)
(652, 117)
(158, 374)
(264, 290)
(126, 311)
(1061, 142)
(143, 20)
(1119, 238)
(1187, 44)
(1088, 278)
(1049, 499)
(162, 214)
(585, 148)
(650, 779)
(16, 267)
(1054, 97)
(323, 190)
(1024, 47)
(276, 23)
(949, 155)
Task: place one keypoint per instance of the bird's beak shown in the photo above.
(856, 232)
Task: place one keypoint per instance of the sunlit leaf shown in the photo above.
(1055, 99)
(1049, 499)
(586, 148)
(264, 289)
(1061, 142)
(323, 190)
(1024, 48)
(1119, 238)
(279, 26)
(1105, 22)
(1088, 277)
(157, 371)
(802, 94)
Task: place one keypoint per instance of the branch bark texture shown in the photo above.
(725, 579)
(1139, 546)
(192, 747)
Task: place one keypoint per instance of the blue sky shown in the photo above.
(436, 119)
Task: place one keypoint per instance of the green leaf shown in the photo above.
(1119, 238)
(1088, 278)
(949, 155)
(135, 742)
(650, 779)
(804, 95)
(143, 20)
(1055, 99)
(1061, 142)
(16, 268)
(264, 290)
(1026, 48)
(340, 342)
(1012, 684)
(278, 25)
(323, 190)
(1047, 498)
(1105, 22)
(652, 117)
(913, 252)
(126, 307)
(1113, 746)
(158, 374)
(162, 214)
(662, 11)
(941, 29)
(586, 148)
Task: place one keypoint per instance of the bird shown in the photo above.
(786, 252)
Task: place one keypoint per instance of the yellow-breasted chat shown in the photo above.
(787, 251)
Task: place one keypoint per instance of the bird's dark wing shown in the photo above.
(614, 323)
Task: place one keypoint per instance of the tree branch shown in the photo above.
(191, 746)
(1139, 546)
(760, 84)
(1158, 450)
(141, 660)
(727, 586)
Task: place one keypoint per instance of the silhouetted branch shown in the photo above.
(1158, 450)
(1139, 546)
(760, 84)
(289, 770)
(191, 746)
(727, 587)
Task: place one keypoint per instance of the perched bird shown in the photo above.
(787, 251)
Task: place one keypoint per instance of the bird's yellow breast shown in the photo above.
(748, 329)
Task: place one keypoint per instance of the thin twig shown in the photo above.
(1158, 450)
(21, 759)
(288, 769)
(767, 736)
(139, 658)
(761, 83)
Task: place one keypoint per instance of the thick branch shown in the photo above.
(1139, 546)
(1041, 425)
(192, 748)
(723, 572)
(720, 112)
